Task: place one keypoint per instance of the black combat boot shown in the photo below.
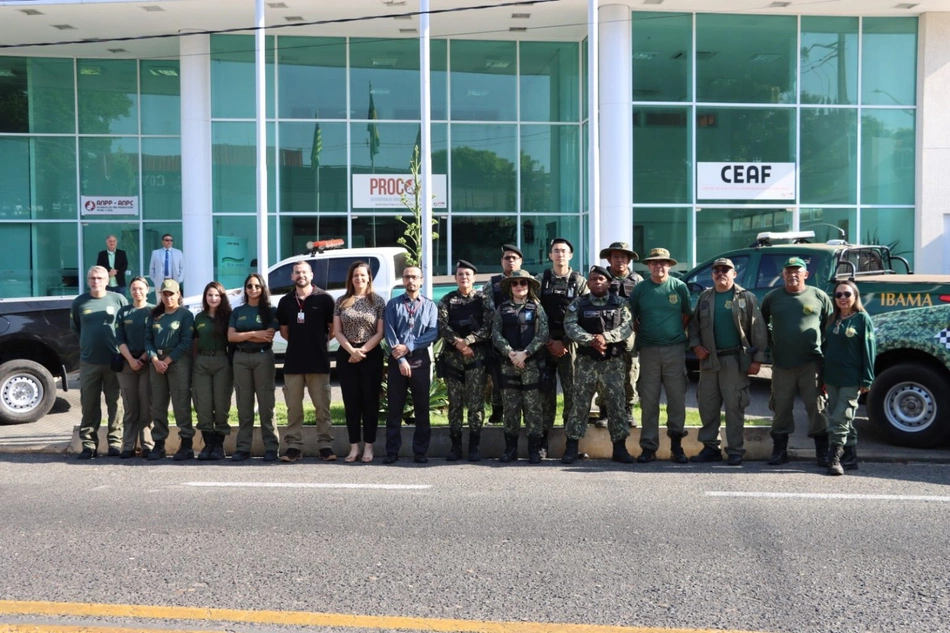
(534, 449)
(209, 439)
(849, 461)
(570, 452)
(544, 445)
(620, 453)
(157, 452)
(779, 450)
(834, 460)
(217, 449)
(474, 440)
(511, 449)
(455, 453)
(677, 455)
(821, 450)
(184, 450)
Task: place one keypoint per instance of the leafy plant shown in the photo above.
(412, 235)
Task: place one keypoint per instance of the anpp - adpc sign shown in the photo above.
(385, 191)
(745, 181)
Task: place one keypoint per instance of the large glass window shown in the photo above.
(40, 260)
(384, 78)
(108, 96)
(549, 81)
(232, 76)
(313, 167)
(550, 169)
(887, 156)
(94, 236)
(662, 56)
(36, 95)
(537, 231)
(297, 230)
(109, 166)
(889, 52)
(161, 178)
(484, 159)
(484, 81)
(478, 239)
(727, 229)
(161, 97)
(662, 146)
(829, 153)
(307, 66)
(661, 228)
(234, 167)
(384, 230)
(235, 248)
(388, 148)
(829, 60)
(894, 227)
(39, 177)
(830, 224)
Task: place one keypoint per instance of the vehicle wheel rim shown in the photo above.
(910, 407)
(21, 393)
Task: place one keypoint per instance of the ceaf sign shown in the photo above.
(385, 191)
(745, 181)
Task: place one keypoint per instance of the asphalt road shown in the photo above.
(660, 545)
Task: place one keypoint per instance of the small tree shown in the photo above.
(412, 235)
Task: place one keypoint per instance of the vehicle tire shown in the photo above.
(27, 391)
(910, 403)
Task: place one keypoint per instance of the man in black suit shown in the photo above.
(115, 261)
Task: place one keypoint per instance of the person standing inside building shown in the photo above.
(600, 323)
(519, 332)
(213, 379)
(411, 325)
(358, 328)
(796, 315)
(848, 372)
(93, 317)
(306, 323)
(728, 336)
(167, 263)
(252, 330)
(465, 318)
(511, 259)
(115, 261)
(559, 287)
(168, 338)
(134, 377)
(660, 309)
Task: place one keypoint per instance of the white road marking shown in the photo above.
(275, 484)
(828, 495)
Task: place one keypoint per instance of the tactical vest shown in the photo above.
(623, 287)
(518, 324)
(498, 295)
(555, 299)
(465, 317)
(598, 319)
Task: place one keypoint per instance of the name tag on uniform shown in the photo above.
(300, 317)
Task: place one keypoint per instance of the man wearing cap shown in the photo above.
(559, 287)
(661, 312)
(519, 332)
(796, 314)
(728, 336)
(619, 255)
(511, 258)
(600, 323)
(465, 317)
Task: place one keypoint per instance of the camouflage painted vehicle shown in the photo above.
(910, 397)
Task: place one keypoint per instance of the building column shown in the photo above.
(616, 125)
(931, 246)
(197, 237)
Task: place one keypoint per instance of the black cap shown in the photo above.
(600, 270)
(464, 264)
(562, 240)
(511, 247)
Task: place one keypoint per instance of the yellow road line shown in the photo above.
(304, 618)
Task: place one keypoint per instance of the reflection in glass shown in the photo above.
(726, 229)
(549, 169)
(234, 167)
(109, 166)
(39, 179)
(394, 149)
(161, 97)
(235, 248)
(37, 95)
(297, 230)
(894, 227)
(94, 235)
(161, 178)
(829, 163)
(537, 231)
(662, 56)
(313, 167)
(479, 239)
(887, 156)
(384, 78)
(889, 55)
(39, 260)
(549, 76)
(108, 96)
(828, 224)
(370, 231)
(662, 170)
(232, 76)
(660, 228)
(307, 66)
(829, 60)
(483, 168)
(484, 81)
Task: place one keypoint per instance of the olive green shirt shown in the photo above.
(796, 324)
(130, 329)
(94, 320)
(247, 318)
(171, 333)
(727, 336)
(849, 352)
(206, 337)
(660, 308)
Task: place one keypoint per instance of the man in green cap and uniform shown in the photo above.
(511, 259)
(465, 317)
(600, 323)
(796, 314)
(728, 336)
(661, 312)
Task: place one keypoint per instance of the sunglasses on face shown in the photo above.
(721, 270)
(846, 295)
(520, 282)
(253, 286)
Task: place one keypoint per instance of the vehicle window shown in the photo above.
(703, 276)
(280, 283)
(770, 269)
(336, 271)
(865, 260)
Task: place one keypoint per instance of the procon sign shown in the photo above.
(385, 191)
(745, 181)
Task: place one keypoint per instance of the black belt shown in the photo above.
(253, 349)
(216, 352)
(137, 355)
(732, 351)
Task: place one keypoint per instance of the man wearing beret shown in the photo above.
(465, 318)
(511, 259)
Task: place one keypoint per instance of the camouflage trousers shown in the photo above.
(520, 393)
(466, 389)
(631, 369)
(564, 369)
(607, 378)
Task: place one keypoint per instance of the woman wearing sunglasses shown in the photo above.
(252, 329)
(519, 331)
(848, 372)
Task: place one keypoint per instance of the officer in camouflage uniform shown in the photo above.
(559, 287)
(511, 259)
(619, 255)
(519, 332)
(465, 318)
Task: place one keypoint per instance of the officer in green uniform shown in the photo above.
(600, 323)
(134, 377)
(728, 336)
(92, 316)
(465, 318)
(511, 258)
(796, 314)
(213, 379)
(168, 337)
(661, 311)
(559, 287)
(519, 332)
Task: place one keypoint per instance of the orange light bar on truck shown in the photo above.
(322, 245)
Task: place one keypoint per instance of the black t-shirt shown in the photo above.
(306, 342)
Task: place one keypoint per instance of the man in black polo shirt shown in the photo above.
(306, 323)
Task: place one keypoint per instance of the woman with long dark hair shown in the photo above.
(134, 377)
(251, 329)
(848, 372)
(358, 327)
(213, 381)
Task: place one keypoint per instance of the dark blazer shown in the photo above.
(121, 264)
